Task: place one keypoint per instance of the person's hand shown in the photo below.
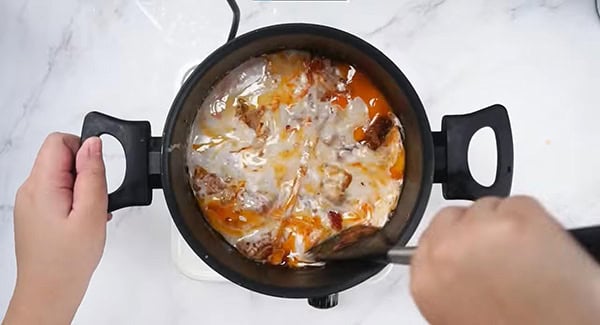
(503, 262)
(60, 227)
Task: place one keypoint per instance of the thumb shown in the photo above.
(90, 200)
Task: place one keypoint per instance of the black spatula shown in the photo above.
(368, 243)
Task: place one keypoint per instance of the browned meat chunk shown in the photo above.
(250, 115)
(335, 183)
(377, 130)
(256, 201)
(205, 183)
(336, 220)
(256, 247)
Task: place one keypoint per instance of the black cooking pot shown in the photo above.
(440, 157)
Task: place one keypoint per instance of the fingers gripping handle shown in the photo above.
(139, 147)
(451, 154)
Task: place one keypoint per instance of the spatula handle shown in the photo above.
(588, 238)
(400, 255)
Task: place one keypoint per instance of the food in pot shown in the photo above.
(291, 148)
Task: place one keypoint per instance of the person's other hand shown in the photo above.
(503, 262)
(60, 228)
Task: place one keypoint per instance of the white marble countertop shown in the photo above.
(61, 59)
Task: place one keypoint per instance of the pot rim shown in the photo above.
(297, 28)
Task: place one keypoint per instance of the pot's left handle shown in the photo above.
(451, 154)
(142, 157)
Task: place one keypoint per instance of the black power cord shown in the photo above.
(598, 8)
(235, 23)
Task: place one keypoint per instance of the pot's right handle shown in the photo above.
(589, 239)
(142, 157)
(451, 154)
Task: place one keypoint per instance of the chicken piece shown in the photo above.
(377, 130)
(335, 218)
(257, 247)
(250, 115)
(335, 183)
(205, 183)
(255, 201)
